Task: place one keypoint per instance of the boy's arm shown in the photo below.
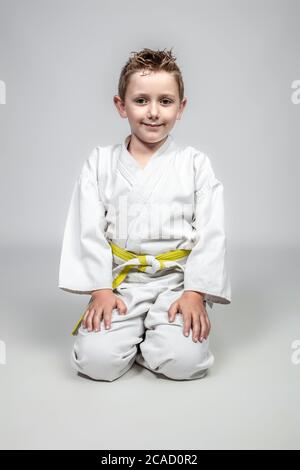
(86, 257)
(206, 269)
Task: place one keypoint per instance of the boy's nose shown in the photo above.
(153, 112)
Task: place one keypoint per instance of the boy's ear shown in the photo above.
(120, 105)
(181, 107)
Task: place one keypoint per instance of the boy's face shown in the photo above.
(152, 98)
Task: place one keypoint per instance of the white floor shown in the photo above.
(249, 400)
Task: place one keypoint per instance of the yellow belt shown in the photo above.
(145, 263)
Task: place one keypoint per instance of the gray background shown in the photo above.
(61, 61)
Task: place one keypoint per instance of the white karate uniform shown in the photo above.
(174, 202)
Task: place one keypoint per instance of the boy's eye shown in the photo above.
(166, 100)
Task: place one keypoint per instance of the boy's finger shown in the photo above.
(107, 320)
(172, 312)
(85, 314)
(208, 329)
(88, 320)
(196, 328)
(83, 320)
(121, 307)
(186, 324)
(209, 326)
(97, 320)
(203, 334)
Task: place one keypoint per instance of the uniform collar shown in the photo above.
(129, 159)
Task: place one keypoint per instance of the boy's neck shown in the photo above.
(142, 151)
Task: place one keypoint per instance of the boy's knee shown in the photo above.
(98, 358)
(177, 357)
(189, 364)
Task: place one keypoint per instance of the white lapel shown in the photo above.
(144, 180)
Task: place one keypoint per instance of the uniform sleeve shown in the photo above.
(206, 269)
(86, 257)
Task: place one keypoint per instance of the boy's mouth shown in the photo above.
(152, 125)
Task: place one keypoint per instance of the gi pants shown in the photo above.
(144, 334)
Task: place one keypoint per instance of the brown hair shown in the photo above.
(148, 59)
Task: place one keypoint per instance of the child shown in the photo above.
(145, 238)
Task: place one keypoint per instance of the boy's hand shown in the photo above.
(191, 305)
(103, 302)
